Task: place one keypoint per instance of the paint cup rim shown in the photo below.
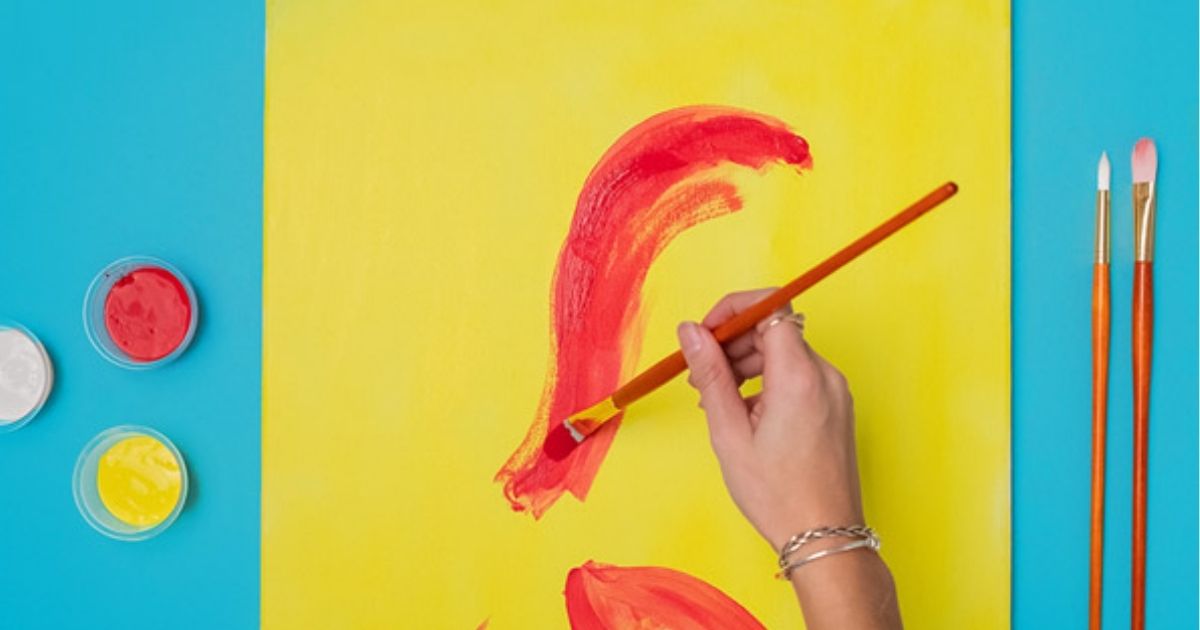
(87, 504)
(93, 311)
(13, 425)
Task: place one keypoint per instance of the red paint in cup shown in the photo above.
(147, 313)
(140, 312)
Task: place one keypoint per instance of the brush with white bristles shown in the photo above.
(1145, 164)
(1101, 318)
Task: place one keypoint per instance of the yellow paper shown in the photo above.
(422, 165)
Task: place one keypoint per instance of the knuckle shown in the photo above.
(807, 388)
(800, 381)
(837, 380)
(839, 388)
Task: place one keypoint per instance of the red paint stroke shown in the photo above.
(147, 313)
(656, 181)
(602, 597)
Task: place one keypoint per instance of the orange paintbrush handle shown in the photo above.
(673, 365)
(1143, 315)
(1101, 316)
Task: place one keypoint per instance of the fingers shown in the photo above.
(747, 368)
(711, 374)
(791, 370)
(731, 305)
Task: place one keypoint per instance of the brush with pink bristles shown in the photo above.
(1145, 164)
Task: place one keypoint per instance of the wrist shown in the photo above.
(848, 589)
(845, 568)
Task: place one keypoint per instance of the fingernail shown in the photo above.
(689, 336)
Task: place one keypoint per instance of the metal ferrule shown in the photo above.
(575, 435)
(1103, 234)
(1143, 221)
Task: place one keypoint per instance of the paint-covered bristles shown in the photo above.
(1103, 173)
(1145, 160)
(559, 443)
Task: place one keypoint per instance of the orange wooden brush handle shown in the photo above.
(1143, 315)
(1101, 316)
(673, 365)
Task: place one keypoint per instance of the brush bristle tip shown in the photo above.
(1103, 172)
(1145, 160)
(559, 443)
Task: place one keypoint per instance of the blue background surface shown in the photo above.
(136, 128)
(133, 128)
(1093, 76)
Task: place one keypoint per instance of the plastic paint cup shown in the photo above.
(26, 376)
(140, 312)
(130, 483)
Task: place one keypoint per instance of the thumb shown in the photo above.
(728, 421)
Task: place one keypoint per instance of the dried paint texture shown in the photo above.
(601, 596)
(655, 182)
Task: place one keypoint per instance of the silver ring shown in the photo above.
(795, 318)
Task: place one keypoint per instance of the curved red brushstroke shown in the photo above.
(656, 181)
(603, 597)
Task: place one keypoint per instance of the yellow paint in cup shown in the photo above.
(139, 481)
(130, 483)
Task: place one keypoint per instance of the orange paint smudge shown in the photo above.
(602, 597)
(656, 181)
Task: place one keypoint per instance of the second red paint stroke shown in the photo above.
(601, 597)
(656, 181)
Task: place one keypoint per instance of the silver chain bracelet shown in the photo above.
(867, 538)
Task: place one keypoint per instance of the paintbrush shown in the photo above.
(1145, 163)
(1101, 316)
(563, 439)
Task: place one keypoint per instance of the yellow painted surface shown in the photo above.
(138, 480)
(422, 164)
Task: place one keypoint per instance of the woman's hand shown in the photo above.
(787, 454)
(788, 458)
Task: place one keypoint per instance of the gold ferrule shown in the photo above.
(586, 422)
(1143, 221)
(1103, 238)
